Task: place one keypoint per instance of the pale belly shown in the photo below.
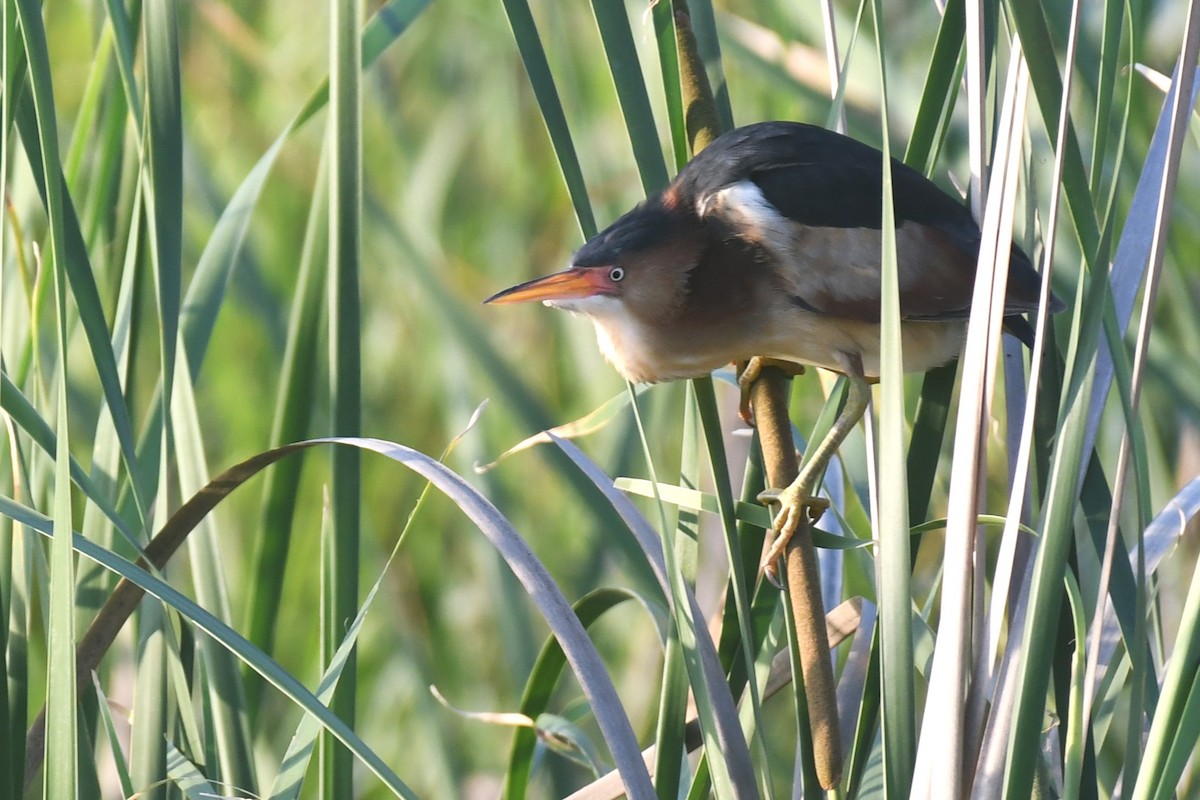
(810, 339)
(925, 345)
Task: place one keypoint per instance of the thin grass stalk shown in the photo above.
(626, 73)
(718, 700)
(138, 581)
(289, 780)
(668, 60)
(163, 143)
(225, 696)
(293, 412)
(673, 698)
(731, 769)
(11, 749)
(1029, 18)
(941, 757)
(1160, 143)
(1076, 723)
(1180, 113)
(1020, 484)
(836, 118)
(833, 61)
(62, 776)
(533, 55)
(1172, 736)
(989, 769)
(152, 721)
(703, 118)
(975, 77)
(1038, 638)
(890, 521)
(345, 369)
(938, 98)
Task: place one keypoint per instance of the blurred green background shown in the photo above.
(463, 196)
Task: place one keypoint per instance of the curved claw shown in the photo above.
(793, 503)
(748, 373)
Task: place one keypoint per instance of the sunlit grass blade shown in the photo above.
(1133, 249)
(948, 740)
(669, 769)
(25, 415)
(187, 775)
(123, 30)
(1013, 555)
(152, 700)
(590, 423)
(891, 525)
(580, 653)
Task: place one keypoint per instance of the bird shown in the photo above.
(766, 249)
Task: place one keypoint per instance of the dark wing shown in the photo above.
(811, 199)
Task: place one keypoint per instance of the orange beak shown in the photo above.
(570, 284)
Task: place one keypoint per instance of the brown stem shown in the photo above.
(699, 109)
(769, 396)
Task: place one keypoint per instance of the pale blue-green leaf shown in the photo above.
(719, 714)
(187, 776)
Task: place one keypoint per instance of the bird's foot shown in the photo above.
(796, 505)
(748, 372)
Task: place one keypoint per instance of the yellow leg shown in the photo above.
(748, 372)
(800, 497)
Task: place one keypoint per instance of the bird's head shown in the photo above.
(637, 266)
(632, 281)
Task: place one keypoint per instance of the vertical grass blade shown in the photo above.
(631, 90)
(164, 162)
(62, 723)
(226, 693)
(11, 709)
(293, 414)
(891, 525)
(945, 737)
(345, 367)
(533, 54)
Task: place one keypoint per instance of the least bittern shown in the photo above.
(767, 246)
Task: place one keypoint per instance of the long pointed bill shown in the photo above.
(570, 284)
